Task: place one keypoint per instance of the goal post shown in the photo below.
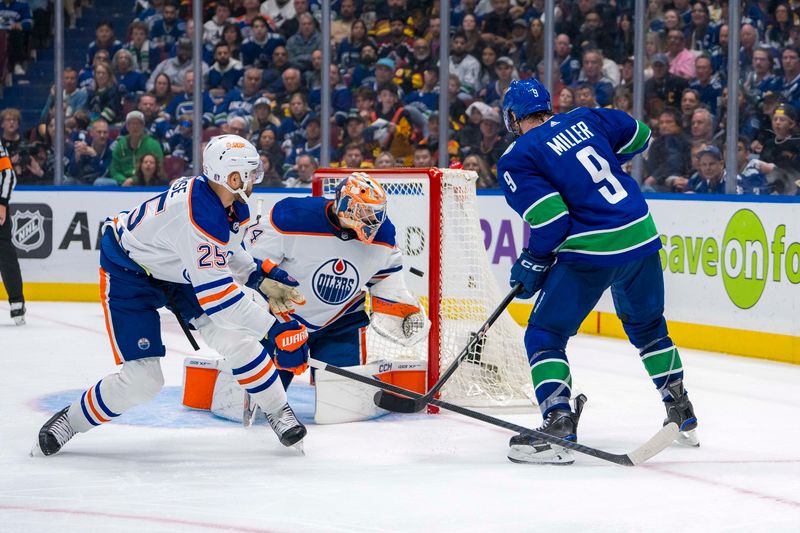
(445, 265)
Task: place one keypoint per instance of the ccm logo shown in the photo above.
(292, 341)
(234, 145)
(536, 268)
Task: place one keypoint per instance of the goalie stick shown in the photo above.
(656, 444)
(396, 404)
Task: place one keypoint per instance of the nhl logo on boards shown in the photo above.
(31, 230)
(336, 281)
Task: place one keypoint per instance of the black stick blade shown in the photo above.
(397, 404)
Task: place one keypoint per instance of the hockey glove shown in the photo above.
(277, 287)
(531, 272)
(291, 349)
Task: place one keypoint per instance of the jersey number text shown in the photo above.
(599, 169)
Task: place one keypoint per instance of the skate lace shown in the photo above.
(62, 430)
(283, 420)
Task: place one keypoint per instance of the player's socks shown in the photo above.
(91, 410)
(560, 423)
(54, 434)
(663, 363)
(552, 380)
(681, 411)
(290, 431)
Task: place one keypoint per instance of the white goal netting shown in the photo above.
(435, 213)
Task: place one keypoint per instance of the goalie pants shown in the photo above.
(130, 300)
(343, 343)
(569, 293)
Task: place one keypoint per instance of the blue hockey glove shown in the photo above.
(268, 270)
(531, 271)
(291, 350)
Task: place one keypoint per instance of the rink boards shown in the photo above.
(732, 267)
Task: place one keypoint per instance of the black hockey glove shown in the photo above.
(531, 271)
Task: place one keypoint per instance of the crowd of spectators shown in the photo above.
(129, 108)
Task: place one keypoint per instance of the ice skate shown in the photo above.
(250, 411)
(289, 430)
(18, 313)
(680, 411)
(559, 423)
(54, 434)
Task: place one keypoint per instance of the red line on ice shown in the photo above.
(740, 490)
(205, 525)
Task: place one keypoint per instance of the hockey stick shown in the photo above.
(396, 404)
(656, 444)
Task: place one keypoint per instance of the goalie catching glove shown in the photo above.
(403, 323)
(287, 341)
(277, 287)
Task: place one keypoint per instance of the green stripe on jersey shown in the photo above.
(552, 370)
(614, 240)
(639, 139)
(662, 363)
(545, 210)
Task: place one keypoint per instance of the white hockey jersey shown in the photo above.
(186, 235)
(333, 268)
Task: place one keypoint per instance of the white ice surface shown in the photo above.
(163, 468)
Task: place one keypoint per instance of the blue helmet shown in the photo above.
(523, 98)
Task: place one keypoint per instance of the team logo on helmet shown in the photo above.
(336, 281)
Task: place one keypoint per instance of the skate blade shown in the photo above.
(688, 439)
(299, 447)
(36, 451)
(554, 455)
(19, 320)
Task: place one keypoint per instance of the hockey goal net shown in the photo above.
(445, 265)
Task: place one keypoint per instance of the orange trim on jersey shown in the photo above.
(258, 376)
(218, 295)
(320, 234)
(92, 407)
(191, 217)
(5, 163)
(106, 314)
(363, 335)
(379, 305)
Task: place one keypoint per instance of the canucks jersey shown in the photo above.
(565, 179)
(333, 273)
(185, 235)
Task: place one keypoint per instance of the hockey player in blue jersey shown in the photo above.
(590, 230)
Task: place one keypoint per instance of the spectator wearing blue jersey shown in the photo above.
(760, 79)
(129, 81)
(701, 33)
(311, 146)
(348, 52)
(751, 176)
(271, 77)
(341, 97)
(90, 156)
(592, 73)
(426, 98)
(293, 128)
(257, 50)
(706, 84)
(569, 66)
(790, 84)
(15, 18)
(226, 72)
(169, 28)
(183, 104)
(710, 176)
(239, 102)
(104, 40)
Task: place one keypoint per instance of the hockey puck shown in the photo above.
(416, 272)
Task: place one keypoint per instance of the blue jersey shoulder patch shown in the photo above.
(386, 234)
(207, 212)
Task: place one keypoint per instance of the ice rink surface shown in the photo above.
(164, 468)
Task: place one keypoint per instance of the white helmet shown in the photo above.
(225, 154)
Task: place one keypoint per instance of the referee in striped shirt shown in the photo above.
(9, 264)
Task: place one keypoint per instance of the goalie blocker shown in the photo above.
(209, 386)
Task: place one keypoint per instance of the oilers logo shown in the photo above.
(336, 281)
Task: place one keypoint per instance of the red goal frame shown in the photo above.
(434, 177)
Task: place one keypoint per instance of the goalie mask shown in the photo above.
(226, 154)
(360, 205)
